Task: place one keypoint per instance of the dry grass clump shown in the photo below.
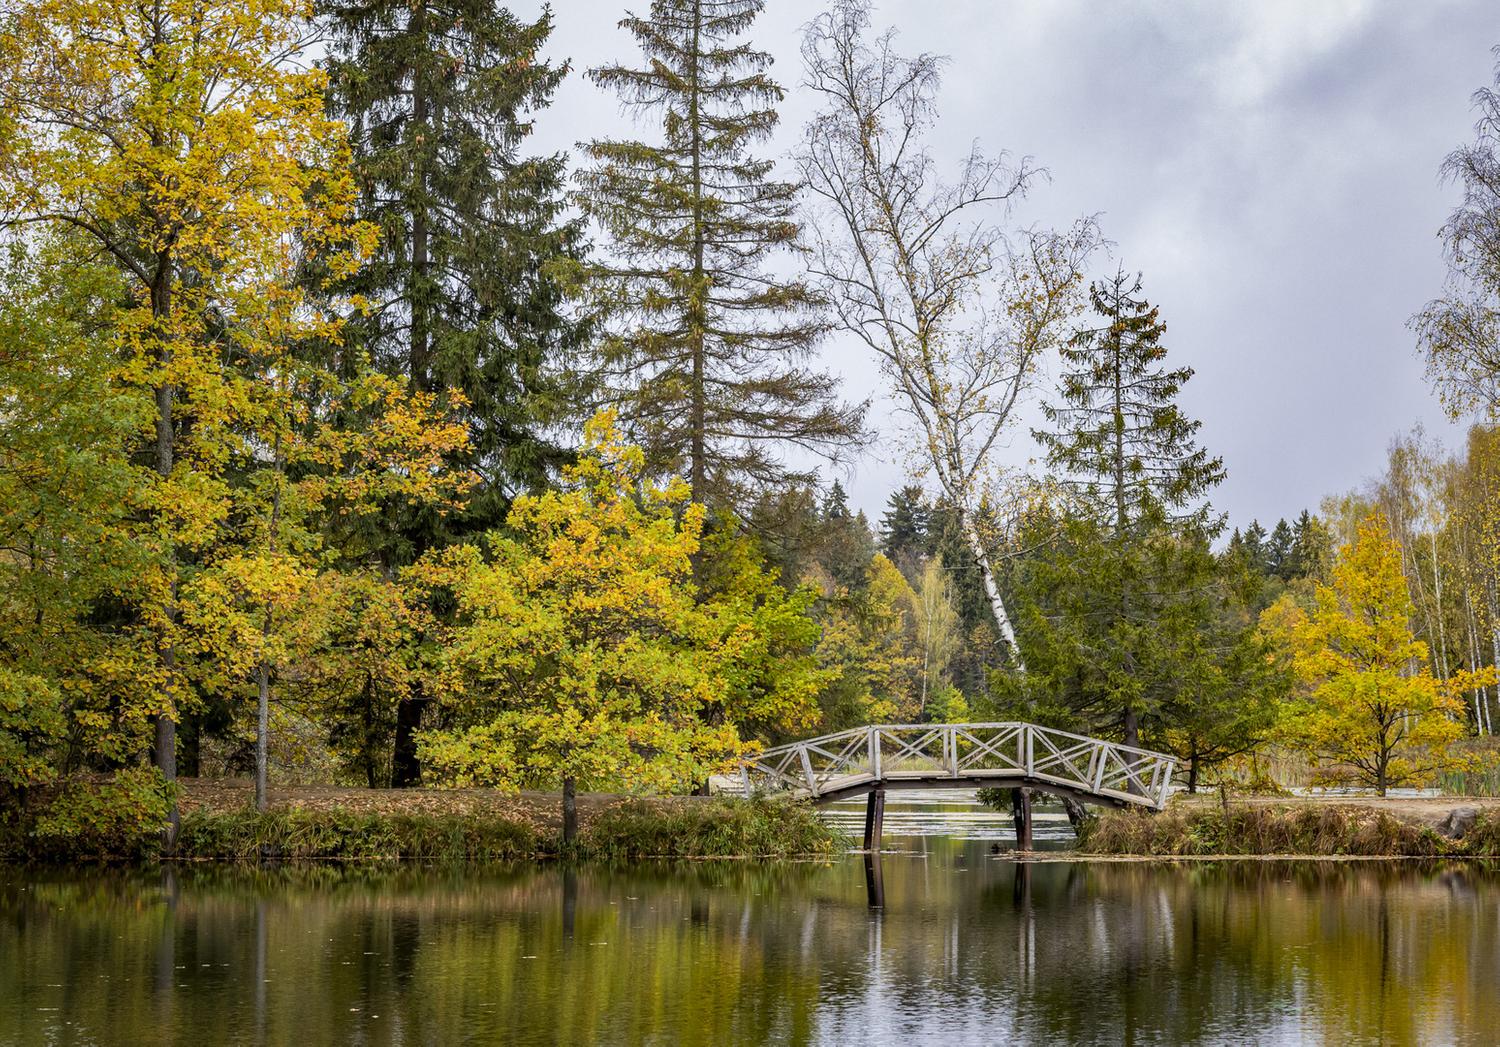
(305, 834)
(759, 828)
(1323, 829)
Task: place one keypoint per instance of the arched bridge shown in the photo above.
(913, 756)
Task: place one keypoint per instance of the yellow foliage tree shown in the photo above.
(579, 652)
(871, 650)
(189, 140)
(1369, 708)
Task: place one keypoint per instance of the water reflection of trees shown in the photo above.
(965, 946)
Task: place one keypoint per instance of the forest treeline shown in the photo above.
(347, 438)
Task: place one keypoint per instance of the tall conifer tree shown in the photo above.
(708, 357)
(1130, 579)
(468, 286)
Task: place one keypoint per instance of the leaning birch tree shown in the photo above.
(959, 309)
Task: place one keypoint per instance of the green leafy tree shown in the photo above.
(709, 345)
(67, 486)
(580, 652)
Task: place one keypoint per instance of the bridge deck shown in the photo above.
(904, 756)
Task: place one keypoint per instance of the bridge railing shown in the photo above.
(1000, 751)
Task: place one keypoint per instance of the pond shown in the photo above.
(968, 947)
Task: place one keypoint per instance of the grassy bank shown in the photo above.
(422, 829)
(1308, 828)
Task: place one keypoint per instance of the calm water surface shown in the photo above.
(969, 947)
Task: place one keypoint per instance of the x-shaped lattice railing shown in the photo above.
(929, 752)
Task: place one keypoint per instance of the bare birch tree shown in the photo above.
(959, 309)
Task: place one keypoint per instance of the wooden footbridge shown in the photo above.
(870, 760)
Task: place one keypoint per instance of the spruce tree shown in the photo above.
(1279, 551)
(707, 355)
(905, 527)
(1119, 434)
(467, 289)
(1132, 573)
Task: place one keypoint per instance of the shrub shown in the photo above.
(1316, 830)
(123, 818)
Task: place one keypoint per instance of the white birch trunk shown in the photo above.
(992, 591)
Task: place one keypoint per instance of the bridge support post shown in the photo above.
(1020, 809)
(874, 881)
(874, 818)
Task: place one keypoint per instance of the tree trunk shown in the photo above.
(405, 770)
(697, 320)
(165, 750)
(262, 731)
(569, 812)
(992, 589)
(419, 351)
(1078, 815)
(189, 746)
(1192, 782)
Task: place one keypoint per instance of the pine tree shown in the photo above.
(1279, 551)
(905, 526)
(1133, 582)
(707, 354)
(468, 282)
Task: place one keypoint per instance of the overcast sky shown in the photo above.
(1271, 166)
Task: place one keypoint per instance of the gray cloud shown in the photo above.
(1271, 166)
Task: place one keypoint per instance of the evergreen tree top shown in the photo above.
(1118, 432)
(708, 346)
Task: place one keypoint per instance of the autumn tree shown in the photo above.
(869, 645)
(580, 652)
(1370, 708)
(707, 352)
(188, 139)
(958, 310)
